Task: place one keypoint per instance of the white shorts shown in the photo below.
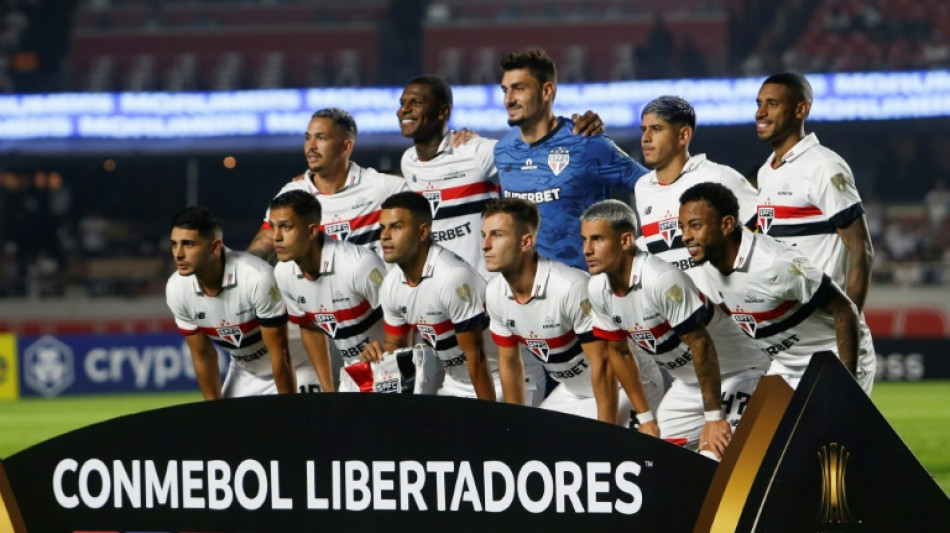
(240, 383)
(307, 381)
(680, 415)
(535, 378)
(454, 387)
(791, 374)
(654, 386)
(565, 401)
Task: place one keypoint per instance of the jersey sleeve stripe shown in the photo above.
(615, 335)
(504, 342)
(799, 315)
(398, 331)
(699, 318)
(479, 320)
(848, 215)
(187, 332)
(784, 211)
(274, 321)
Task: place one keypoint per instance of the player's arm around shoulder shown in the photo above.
(611, 164)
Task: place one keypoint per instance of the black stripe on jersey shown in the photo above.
(365, 238)
(667, 345)
(752, 222)
(471, 208)
(446, 344)
(246, 341)
(358, 328)
(802, 230)
(479, 320)
(803, 312)
(566, 355)
(847, 216)
(275, 321)
(584, 338)
(699, 318)
(659, 246)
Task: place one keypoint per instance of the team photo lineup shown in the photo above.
(547, 268)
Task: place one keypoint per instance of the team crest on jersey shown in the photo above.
(766, 216)
(327, 322)
(434, 198)
(232, 334)
(428, 333)
(746, 322)
(539, 347)
(338, 230)
(644, 339)
(668, 230)
(558, 160)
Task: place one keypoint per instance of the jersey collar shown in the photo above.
(353, 175)
(327, 257)
(693, 163)
(541, 278)
(444, 147)
(800, 148)
(428, 269)
(229, 279)
(636, 271)
(745, 250)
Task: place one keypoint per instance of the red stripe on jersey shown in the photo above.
(245, 327)
(679, 441)
(361, 221)
(504, 342)
(610, 335)
(554, 342)
(464, 191)
(352, 313)
(187, 332)
(785, 211)
(398, 331)
(651, 229)
(660, 329)
(440, 328)
(772, 314)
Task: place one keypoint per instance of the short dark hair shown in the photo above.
(201, 219)
(795, 82)
(536, 61)
(715, 194)
(304, 205)
(672, 109)
(617, 214)
(522, 211)
(440, 88)
(340, 118)
(413, 202)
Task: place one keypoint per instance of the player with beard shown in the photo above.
(808, 199)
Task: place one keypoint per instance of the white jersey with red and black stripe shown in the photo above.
(804, 201)
(458, 182)
(249, 299)
(343, 301)
(774, 294)
(552, 325)
(450, 298)
(661, 303)
(352, 213)
(658, 208)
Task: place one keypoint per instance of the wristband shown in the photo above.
(712, 416)
(644, 417)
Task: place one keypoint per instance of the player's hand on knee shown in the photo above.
(650, 428)
(715, 437)
(373, 352)
(588, 124)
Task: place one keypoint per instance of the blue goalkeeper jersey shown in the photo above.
(563, 174)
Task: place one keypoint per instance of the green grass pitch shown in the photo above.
(919, 412)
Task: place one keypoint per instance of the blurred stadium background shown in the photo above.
(83, 218)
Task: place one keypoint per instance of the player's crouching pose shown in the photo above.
(230, 298)
(638, 296)
(776, 295)
(331, 287)
(543, 304)
(436, 293)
